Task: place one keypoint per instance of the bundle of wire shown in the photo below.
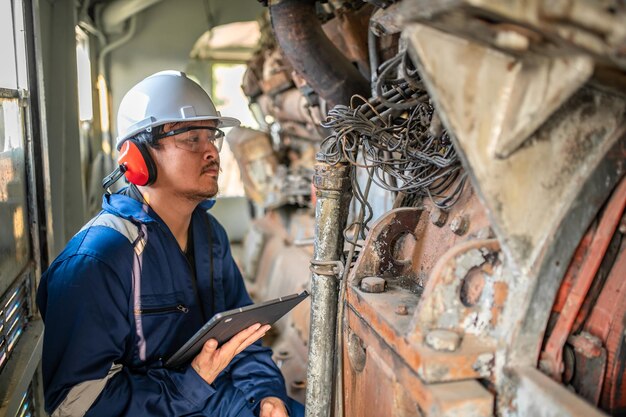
(398, 137)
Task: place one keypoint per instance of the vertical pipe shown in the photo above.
(332, 183)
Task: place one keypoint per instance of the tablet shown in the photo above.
(226, 324)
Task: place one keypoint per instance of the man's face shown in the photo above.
(191, 174)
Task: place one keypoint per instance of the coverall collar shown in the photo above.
(131, 209)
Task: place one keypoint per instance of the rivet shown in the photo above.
(402, 310)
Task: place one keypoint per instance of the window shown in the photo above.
(14, 244)
(85, 100)
(230, 99)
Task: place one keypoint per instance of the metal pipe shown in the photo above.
(332, 183)
(128, 34)
(107, 145)
(120, 10)
(313, 55)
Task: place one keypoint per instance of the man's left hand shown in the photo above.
(273, 407)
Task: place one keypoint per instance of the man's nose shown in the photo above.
(210, 151)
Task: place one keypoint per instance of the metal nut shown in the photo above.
(459, 225)
(373, 284)
(443, 340)
(402, 310)
(438, 217)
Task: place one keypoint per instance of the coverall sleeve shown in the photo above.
(88, 329)
(253, 371)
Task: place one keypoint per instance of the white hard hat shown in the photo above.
(165, 97)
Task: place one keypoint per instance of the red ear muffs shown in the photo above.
(138, 166)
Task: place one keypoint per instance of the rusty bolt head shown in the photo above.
(443, 340)
(459, 225)
(402, 310)
(373, 284)
(438, 217)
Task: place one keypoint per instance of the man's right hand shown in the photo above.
(212, 360)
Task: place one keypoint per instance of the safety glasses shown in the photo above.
(195, 138)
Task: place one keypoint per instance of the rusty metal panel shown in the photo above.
(377, 373)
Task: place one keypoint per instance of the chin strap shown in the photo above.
(110, 179)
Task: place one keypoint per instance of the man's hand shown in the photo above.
(211, 360)
(273, 407)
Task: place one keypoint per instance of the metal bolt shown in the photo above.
(459, 225)
(373, 284)
(402, 310)
(622, 227)
(438, 217)
(443, 340)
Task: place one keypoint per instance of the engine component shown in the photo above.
(256, 159)
(312, 54)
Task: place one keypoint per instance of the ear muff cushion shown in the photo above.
(137, 162)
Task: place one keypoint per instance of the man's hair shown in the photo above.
(149, 137)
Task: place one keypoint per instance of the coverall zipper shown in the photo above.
(156, 310)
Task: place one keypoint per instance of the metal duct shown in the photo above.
(313, 55)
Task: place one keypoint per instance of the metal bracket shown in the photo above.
(327, 268)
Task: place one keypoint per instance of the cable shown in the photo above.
(390, 136)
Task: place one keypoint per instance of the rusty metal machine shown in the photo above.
(491, 282)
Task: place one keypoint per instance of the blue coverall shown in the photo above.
(121, 298)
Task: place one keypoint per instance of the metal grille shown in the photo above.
(14, 313)
(27, 406)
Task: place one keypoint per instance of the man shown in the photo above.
(146, 273)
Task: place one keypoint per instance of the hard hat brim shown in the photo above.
(222, 122)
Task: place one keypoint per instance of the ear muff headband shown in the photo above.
(139, 168)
